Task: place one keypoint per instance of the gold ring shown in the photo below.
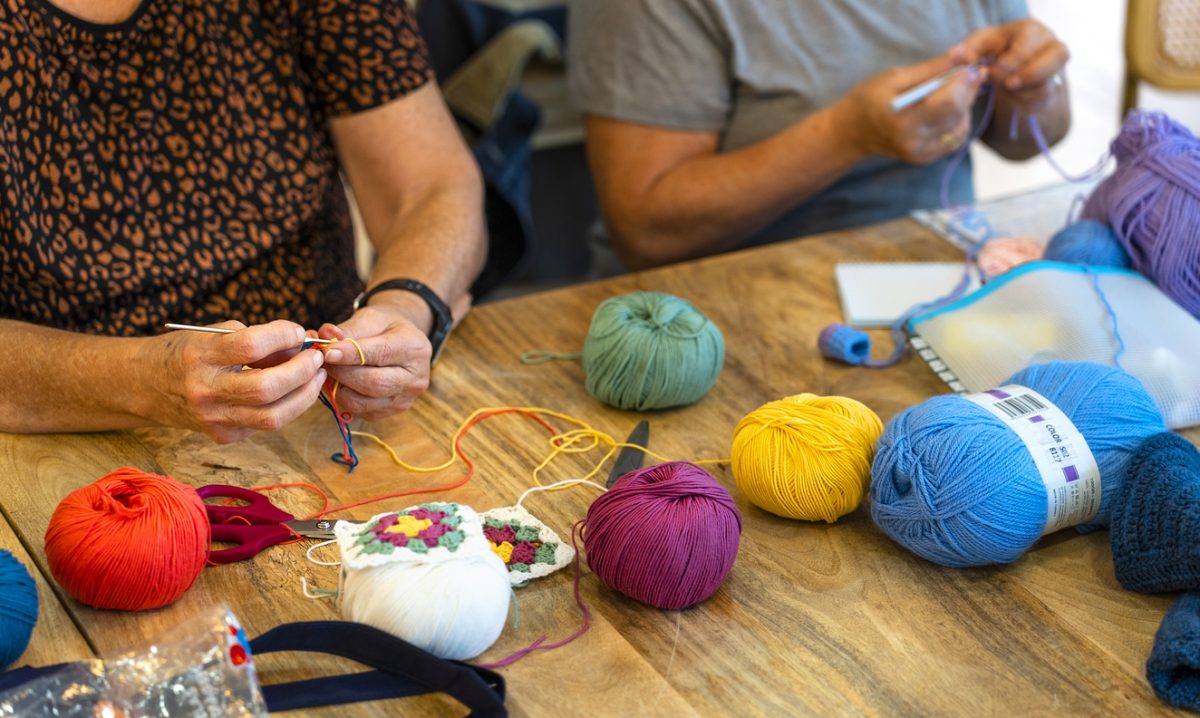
(948, 141)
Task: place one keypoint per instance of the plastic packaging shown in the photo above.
(202, 668)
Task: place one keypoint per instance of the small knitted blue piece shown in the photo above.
(845, 344)
(1173, 669)
(1155, 531)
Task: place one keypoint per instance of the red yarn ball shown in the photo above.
(130, 540)
(666, 535)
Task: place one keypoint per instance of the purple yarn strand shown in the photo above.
(540, 644)
(1039, 138)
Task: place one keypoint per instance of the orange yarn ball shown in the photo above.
(130, 540)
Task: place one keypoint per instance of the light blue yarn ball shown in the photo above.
(649, 350)
(18, 608)
(954, 485)
(1090, 243)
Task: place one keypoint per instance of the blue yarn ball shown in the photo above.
(18, 608)
(953, 484)
(649, 350)
(1090, 243)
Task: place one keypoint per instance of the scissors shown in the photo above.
(256, 525)
(630, 459)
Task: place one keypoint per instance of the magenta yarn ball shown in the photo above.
(666, 535)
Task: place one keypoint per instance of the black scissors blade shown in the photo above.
(629, 458)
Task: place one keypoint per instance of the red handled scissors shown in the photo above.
(255, 525)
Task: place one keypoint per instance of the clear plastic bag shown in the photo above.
(1048, 311)
(202, 668)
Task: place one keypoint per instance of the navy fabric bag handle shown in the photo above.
(401, 669)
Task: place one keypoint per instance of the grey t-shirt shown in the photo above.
(747, 69)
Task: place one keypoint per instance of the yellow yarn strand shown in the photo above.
(362, 361)
(806, 456)
(581, 440)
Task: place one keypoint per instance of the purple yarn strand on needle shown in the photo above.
(666, 535)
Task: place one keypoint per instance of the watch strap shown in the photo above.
(443, 319)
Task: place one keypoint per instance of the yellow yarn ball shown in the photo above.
(806, 456)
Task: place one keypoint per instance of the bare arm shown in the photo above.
(61, 381)
(669, 195)
(421, 197)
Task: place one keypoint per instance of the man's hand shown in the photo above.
(1027, 60)
(923, 132)
(397, 354)
(233, 385)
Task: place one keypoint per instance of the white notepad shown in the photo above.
(876, 294)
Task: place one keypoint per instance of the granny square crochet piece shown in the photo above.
(530, 549)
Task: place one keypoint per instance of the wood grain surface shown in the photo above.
(814, 619)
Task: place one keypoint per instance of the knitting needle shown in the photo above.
(217, 330)
(925, 89)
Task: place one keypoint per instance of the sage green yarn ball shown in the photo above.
(649, 350)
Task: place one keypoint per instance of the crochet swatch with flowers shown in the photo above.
(428, 532)
(530, 549)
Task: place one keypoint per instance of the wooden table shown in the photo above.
(814, 619)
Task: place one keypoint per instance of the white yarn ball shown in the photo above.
(427, 575)
(454, 609)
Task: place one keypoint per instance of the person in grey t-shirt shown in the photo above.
(718, 124)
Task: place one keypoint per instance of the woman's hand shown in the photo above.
(230, 386)
(397, 358)
(1027, 61)
(922, 132)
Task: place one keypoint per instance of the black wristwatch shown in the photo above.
(442, 318)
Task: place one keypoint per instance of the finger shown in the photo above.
(374, 408)
(276, 359)
(256, 343)
(280, 413)
(1025, 44)
(402, 346)
(907, 77)
(1041, 68)
(989, 41)
(380, 382)
(331, 331)
(260, 387)
(945, 108)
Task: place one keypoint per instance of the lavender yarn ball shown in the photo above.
(1152, 202)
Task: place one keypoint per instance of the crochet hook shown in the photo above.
(925, 89)
(217, 330)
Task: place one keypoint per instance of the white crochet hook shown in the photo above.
(217, 330)
(911, 97)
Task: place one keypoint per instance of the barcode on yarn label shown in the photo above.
(1061, 454)
(1017, 406)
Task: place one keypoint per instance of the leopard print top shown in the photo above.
(178, 166)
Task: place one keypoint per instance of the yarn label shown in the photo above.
(1062, 456)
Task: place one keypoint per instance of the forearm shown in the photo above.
(714, 202)
(61, 381)
(438, 237)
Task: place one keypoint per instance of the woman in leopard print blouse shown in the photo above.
(179, 160)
